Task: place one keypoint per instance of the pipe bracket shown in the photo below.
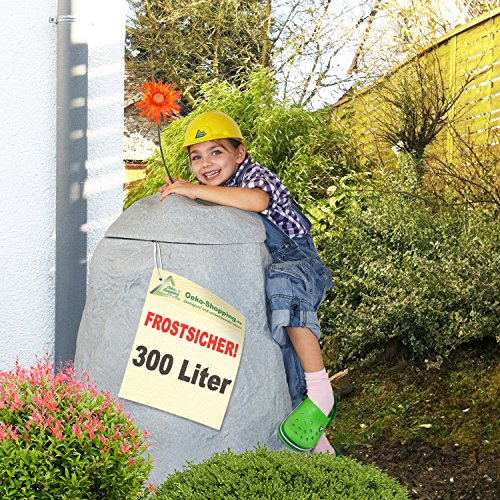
(62, 19)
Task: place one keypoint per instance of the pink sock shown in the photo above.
(319, 390)
(324, 446)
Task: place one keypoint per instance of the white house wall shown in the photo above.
(28, 161)
(104, 189)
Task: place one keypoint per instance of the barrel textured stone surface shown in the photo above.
(223, 250)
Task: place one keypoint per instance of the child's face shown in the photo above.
(215, 162)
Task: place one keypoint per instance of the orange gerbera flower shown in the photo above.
(158, 99)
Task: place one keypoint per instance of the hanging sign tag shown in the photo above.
(186, 351)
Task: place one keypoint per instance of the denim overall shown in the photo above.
(296, 283)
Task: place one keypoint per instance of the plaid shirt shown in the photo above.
(279, 211)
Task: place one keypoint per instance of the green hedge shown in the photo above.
(263, 474)
(423, 279)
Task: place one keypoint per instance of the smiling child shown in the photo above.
(297, 280)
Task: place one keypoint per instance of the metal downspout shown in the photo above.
(71, 174)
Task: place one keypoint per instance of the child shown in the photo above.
(297, 280)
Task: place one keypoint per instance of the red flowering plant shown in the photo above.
(159, 100)
(61, 438)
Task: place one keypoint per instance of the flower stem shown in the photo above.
(163, 157)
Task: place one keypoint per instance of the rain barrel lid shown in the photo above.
(178, 219)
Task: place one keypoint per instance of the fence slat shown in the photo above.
(471, 49)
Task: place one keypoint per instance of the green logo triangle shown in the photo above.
(166, 288)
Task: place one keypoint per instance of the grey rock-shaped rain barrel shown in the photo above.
(223, 250)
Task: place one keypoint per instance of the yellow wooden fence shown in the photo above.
(471, 49)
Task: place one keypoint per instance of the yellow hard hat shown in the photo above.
(209, 126)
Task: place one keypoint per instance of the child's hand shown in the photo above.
(165, 186)
(180, 186)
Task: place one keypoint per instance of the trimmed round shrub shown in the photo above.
(61, 438)
(412, 278)
(263, 474)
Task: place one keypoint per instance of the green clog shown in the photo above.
(302, 429)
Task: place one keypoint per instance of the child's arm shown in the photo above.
(252, 200)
